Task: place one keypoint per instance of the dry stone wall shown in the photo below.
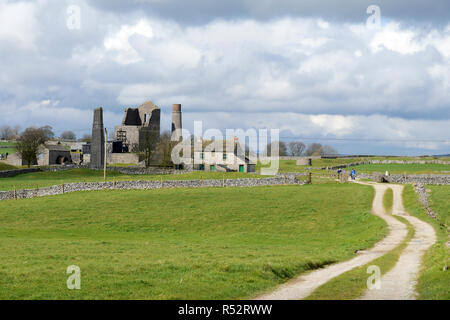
(148, 185)
(12, 173)
(436, 179)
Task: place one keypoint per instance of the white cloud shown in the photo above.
(119, 42)
(393, 38)
(18, 24)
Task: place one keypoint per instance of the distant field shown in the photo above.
(45, 179)
(214, 243)
(291, 166)
(404, 168)
(7, 150)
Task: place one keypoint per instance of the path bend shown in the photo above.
(399, 283)
(302, 286)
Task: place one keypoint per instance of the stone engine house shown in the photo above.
(137, 124)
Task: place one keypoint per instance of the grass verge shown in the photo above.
(434, 281)
(388, 200)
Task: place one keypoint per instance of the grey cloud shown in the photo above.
(238, 67)
(435, 12)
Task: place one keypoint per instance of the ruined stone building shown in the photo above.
(137, 125)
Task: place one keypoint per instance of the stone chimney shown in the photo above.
(176, 120)
(98, 140)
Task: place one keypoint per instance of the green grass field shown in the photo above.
(214, 243)
(7, 150)
(48, 178)
(404, 168)
(434, 281)
(291, 166)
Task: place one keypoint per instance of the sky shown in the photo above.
(329, 71)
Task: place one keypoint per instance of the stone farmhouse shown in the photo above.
(224, 160)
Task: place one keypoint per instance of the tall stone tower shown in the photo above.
(176, 119)
(98, 140)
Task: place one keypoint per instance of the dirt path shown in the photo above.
(304, 285)
(399, 283)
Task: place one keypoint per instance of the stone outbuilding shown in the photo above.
(57, 154)
(48, 154)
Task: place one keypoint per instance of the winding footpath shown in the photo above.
(396, 284)
(399, 283)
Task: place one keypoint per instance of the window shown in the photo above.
(202, 155)
(224, 157)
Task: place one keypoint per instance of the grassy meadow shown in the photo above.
(9, 150)
(404, 168)
(291, 166)
(214, 243)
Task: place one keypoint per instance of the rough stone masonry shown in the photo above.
(98, 140)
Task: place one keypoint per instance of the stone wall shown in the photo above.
(423, 197)
(146, 171)
(124, 170)
(147, 185)
(12, 173)
(409, 178)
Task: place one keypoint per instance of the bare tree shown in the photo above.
(68, 136)
(9, 133)
(282, 149)
(164, 148)
(296, 148)
(28, 143)
(328, 151)
(314, 149)
(5, 132)
(147, 146)
(48, 132)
